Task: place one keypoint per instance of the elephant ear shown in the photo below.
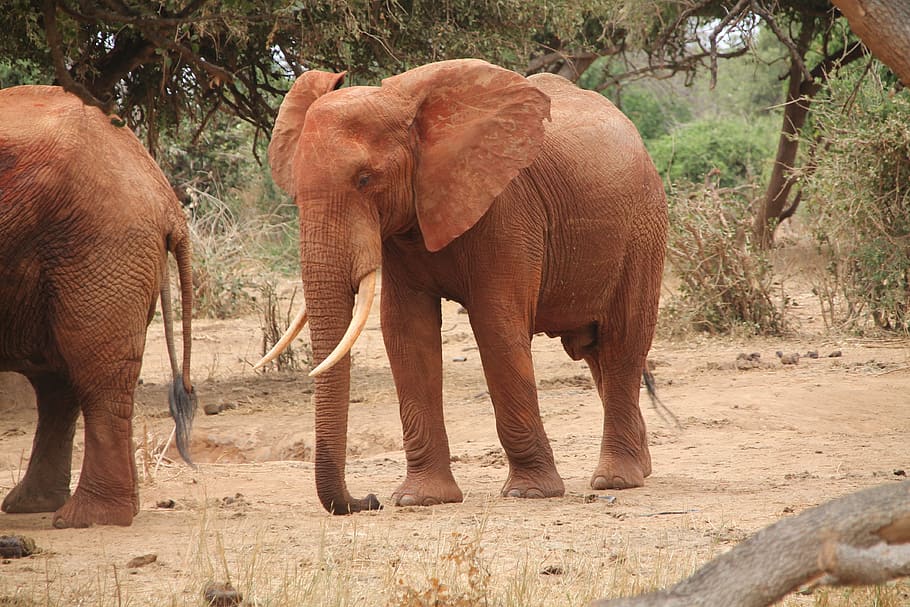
(476, 126)
(308, 87)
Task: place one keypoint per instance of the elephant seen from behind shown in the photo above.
(529, 201)
(86, 223)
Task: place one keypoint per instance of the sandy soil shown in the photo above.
(755, 445)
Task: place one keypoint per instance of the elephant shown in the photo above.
(529, 201)
(87, 219)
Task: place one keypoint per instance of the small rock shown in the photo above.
(212, 409)
(166, 504)
(779, 354)
(812, 354)
(221, 594)
(142, 561)
(16, 546)
(462, 310)
(594, 497)
(789, 359)
(900, 472)
(459, 359)
(835, 354)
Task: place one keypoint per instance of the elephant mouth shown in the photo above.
(365, 294)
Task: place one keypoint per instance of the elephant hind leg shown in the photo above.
(46, 484)
(107, 493)
(624, 460)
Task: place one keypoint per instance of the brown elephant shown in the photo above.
(86, 223)
(531, 202)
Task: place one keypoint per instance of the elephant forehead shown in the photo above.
(365, 117)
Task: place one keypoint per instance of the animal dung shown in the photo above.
(16, 546)
(788, 359)
(221, 594)
(141, 561)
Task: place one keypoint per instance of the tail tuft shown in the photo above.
(183, 405)
(662, 410)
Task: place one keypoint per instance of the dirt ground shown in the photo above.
(755, 445)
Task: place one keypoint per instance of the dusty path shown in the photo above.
(755, 445)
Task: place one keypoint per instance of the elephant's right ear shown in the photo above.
(308, 87)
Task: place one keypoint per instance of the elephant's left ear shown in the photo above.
(308, 87)
(476, 126)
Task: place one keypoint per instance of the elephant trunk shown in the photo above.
(330, 299)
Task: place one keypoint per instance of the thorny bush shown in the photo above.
(726, 283)
(860, 202)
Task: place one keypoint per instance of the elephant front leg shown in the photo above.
(505, 350)
(411, 329)
(46, 484)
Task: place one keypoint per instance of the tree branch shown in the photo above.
(735, 12)
(862, 538)
(55, 44)
(795, 55)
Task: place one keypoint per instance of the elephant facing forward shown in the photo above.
(529, 201)
(86, 222)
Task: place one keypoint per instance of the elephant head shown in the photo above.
(430, 148)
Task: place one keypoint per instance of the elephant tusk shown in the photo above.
(365, 293)
(293, 329)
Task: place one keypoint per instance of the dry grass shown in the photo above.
(274, 322)
(351, 564)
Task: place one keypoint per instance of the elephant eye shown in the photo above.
(363, 180)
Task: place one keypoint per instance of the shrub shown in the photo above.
(235, 252)
(726, 282)
(736, 149)
(859, 199)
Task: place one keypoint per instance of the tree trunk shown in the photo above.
(776, 203)
(799, 92)
(862, 538)
(884, 27)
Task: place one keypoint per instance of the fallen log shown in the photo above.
(859, 539)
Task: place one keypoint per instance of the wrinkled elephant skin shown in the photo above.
(86, 222)
(531, 202)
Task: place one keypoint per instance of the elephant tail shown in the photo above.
(662, 410)
(181, 395)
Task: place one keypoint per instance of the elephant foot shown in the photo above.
(621, 472)
(427, 493)
(26, 498)
(533, 486)
(84, 510)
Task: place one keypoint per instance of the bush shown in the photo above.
(236, 252)
(726, 282)
(736, 149)
(653, 116)
(859, 198)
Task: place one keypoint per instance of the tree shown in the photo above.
(885, 28)
(160, 63)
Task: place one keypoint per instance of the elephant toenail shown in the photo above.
(408, 500)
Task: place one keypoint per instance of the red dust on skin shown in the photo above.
(479, 186)
(86, 221)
